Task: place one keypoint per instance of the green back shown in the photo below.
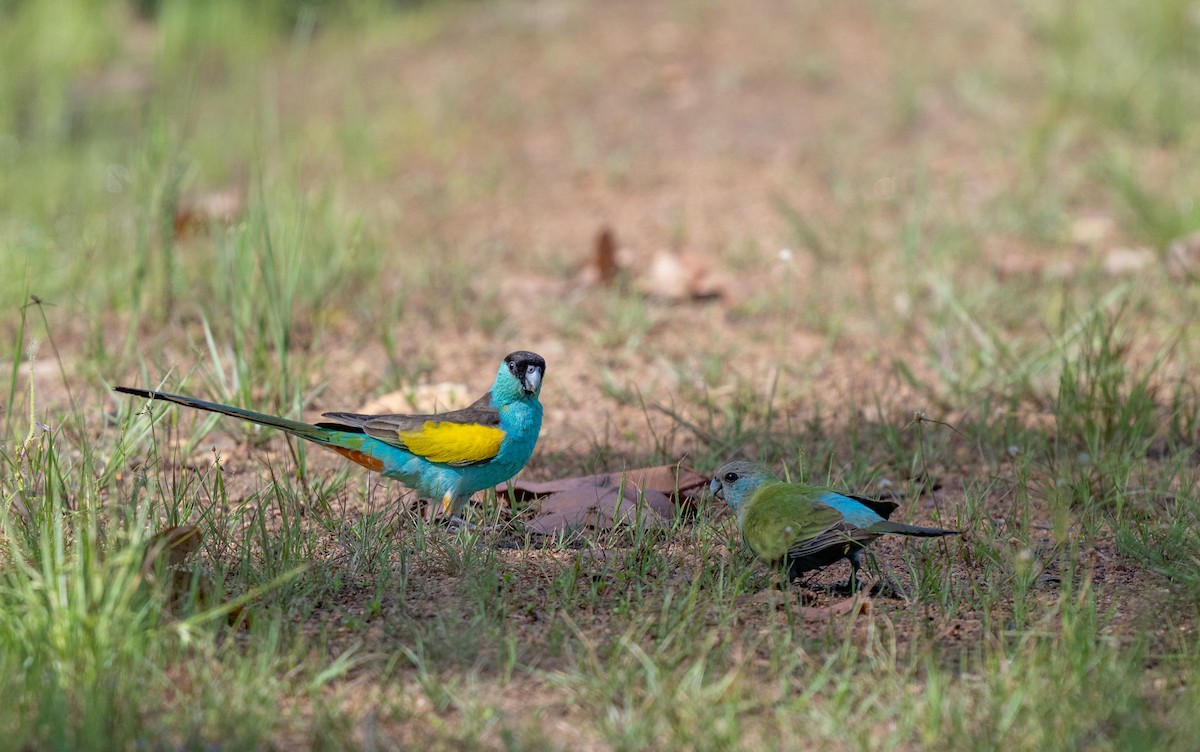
(778, 516)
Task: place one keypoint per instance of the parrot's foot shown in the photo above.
(456, 524)
(848, 588)
(887, 589)
(883, 588)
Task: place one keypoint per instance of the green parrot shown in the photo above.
(801, 527)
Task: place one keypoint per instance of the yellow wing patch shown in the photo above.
(453, 443)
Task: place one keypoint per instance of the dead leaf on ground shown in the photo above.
(848, 606)
(606, 256)
(197, 213)
(171, 547)
(682, 275)
(606, 262)
(600, 502)
(666, 479)
(1121, 261)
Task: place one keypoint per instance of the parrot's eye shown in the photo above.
(730, 477)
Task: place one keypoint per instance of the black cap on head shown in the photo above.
(521, 359)
(528, 368)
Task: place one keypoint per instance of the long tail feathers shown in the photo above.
(325, 436)
(899, 528)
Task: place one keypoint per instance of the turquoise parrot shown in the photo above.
(801, 527)
(445, 457)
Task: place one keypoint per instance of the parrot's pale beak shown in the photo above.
(715, 488)
(532, 381)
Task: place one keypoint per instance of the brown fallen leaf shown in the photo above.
(682, 275)
(847, 606)
(606, 256)
(196, 213)
(600, 504)
(666, 479)
(171, 547)
(1122, 261)
(606, 262)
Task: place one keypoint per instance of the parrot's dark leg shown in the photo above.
(852, 586)
(793, 572)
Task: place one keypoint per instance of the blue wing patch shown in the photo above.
(852, 511)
